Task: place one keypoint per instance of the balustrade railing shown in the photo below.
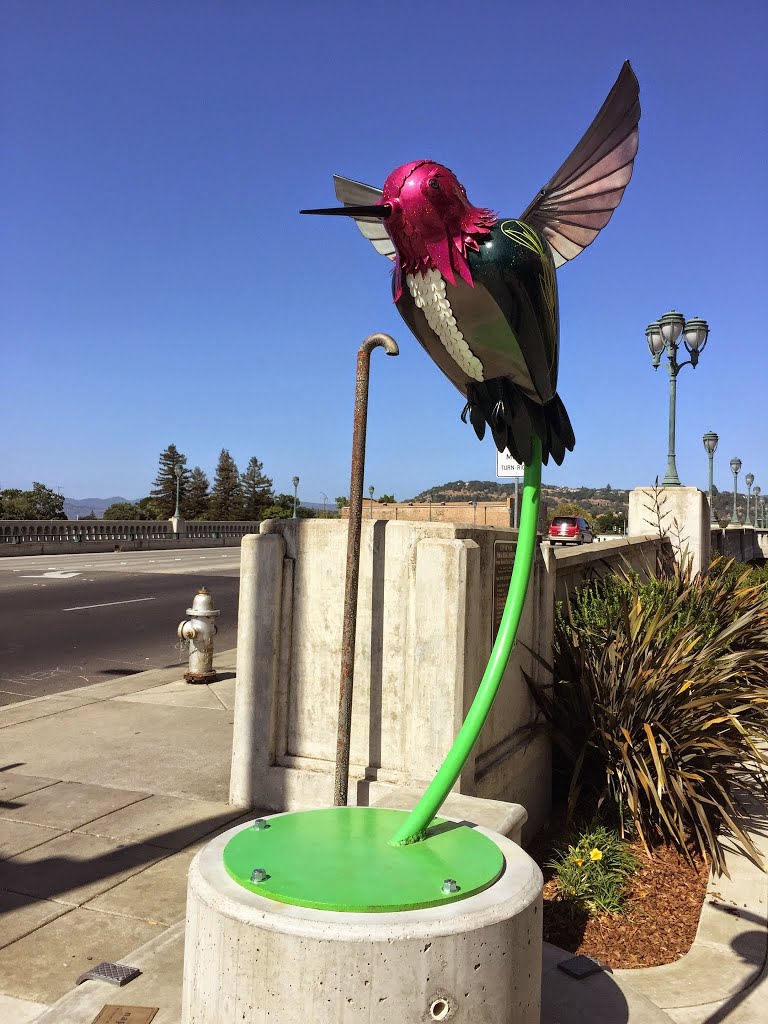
(14, 531)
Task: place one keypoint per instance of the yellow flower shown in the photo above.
(579, 861)
(595, 854)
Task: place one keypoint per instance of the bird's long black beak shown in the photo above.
(381, 212)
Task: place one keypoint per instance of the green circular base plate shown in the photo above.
(339, 858)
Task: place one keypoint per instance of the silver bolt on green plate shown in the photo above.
(449, 885)
(258, 875)
(260, 824)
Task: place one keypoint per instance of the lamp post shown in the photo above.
(295, 495)
(749, 479)
(474, 513)
(735, 469)
(756, 492)
(325, 504)
(663, 334)
(178, 469)
(370, 493)
(710, 440)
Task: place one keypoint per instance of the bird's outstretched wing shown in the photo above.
(354, 193)
(581, 197)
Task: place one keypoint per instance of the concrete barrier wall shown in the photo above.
(66, 537)
(743, 543)
(424, 633)
(591, 561)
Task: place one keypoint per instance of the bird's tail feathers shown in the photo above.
(514, 419)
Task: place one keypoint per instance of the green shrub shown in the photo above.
(593, 871)
(660, 703)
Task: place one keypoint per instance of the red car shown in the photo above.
(570, 530)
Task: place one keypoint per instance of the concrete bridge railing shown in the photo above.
(29, 537)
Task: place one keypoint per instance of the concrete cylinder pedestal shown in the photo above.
(475, 961)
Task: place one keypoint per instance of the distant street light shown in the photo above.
(735, 469)
(370, 493)
(177, 471)
(295, 494)
(710, 443)
(325, 504)
(663, 335)
(474, 513)
(756, 492)
(749, 479)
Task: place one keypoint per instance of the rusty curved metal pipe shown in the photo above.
(341, 779)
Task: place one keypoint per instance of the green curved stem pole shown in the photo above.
(414, 828)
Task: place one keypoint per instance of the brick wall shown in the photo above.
(487, 513)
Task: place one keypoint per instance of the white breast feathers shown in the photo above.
(429, 294)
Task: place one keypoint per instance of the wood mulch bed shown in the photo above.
(664, 904)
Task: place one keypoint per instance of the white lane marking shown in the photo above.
(107, 604)
(57, 574)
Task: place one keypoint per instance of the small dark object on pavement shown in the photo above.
(580, 966)
(115, 974)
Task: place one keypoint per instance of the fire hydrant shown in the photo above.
(200, 630)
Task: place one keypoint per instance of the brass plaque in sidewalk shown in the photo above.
(125, 1015)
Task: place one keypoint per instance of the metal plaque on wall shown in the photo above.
(503, 560)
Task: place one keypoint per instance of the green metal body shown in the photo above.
(338, 859)
(414, 828)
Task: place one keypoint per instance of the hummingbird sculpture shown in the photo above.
(478, 291)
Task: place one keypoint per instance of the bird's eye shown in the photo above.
(433, 183)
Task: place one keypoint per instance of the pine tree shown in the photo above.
(226, 502)
(257, 490)
(163, 493)
(198, 497)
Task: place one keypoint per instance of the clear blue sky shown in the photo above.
(157, 284)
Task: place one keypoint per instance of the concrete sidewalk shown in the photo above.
(107, 793)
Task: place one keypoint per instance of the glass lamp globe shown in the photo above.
(655, 340)
(671, 326)
(710, 442)
(696, 334)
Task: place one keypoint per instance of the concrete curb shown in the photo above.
(728, 954)
(80, 696)
(160, 961)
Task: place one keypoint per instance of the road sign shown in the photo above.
(507, 466)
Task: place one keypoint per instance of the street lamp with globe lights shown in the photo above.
(371, 489)
(735, 469)
(663, 334)
(756, 492)
(710, 440)
(295, 483)
(178, 469)
(749, 479)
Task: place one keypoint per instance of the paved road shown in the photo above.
(72, 620)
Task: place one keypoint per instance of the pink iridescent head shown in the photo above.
(431, 222)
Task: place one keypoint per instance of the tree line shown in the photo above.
(40, 502)
(233, 496)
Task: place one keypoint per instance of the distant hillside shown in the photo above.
(595, 500)
(74, 507)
